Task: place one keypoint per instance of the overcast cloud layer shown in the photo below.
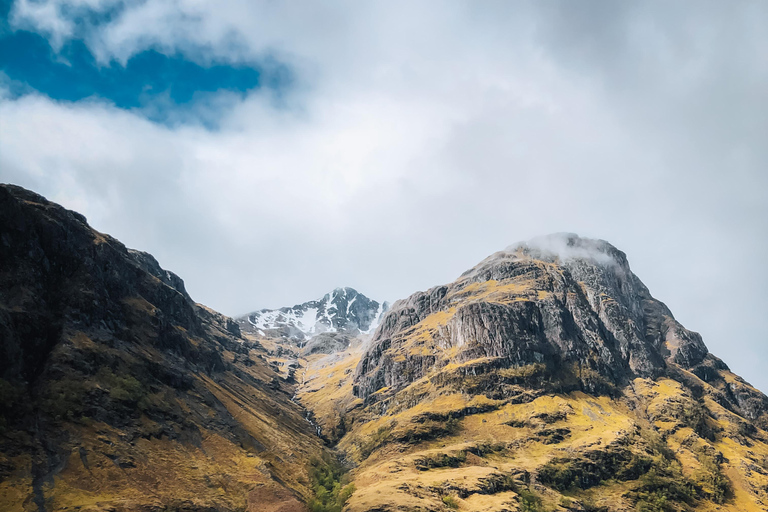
(419, 137)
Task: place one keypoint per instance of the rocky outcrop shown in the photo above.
(326, 343)
(569, 303)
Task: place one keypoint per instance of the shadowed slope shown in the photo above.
(118, 392)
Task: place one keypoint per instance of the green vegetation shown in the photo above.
(654, 503)
(693, 415)
(529, 502)
(661, 487)
(592, 381)
(450, 502)
(498, 482)
(546, 418)
(330, 485)
(588, 505)
(553, 435)
(483, 448)
(64, 398)
(593, 468)
(124, 388)
(661, 484)
(710, 478)
(664, 485)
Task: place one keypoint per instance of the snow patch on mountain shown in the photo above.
(342, 310)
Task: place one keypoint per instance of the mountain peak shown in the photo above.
(344, 309)
(571, 303)
(569, 246)
(566, 250)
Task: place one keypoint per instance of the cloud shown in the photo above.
(418, 138)
(567, 247)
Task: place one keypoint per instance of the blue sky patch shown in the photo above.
(163, 86)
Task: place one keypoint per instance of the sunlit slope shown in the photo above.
(536, 382)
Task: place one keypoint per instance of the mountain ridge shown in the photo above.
(546, 378)
(342, 310)
(119, 393)
(620, 337)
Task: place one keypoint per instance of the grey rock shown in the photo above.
(326, 343)
(568, 303)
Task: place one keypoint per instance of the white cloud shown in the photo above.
(418, 139)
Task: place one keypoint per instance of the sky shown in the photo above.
(268, 152)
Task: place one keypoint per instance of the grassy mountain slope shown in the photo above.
(606, 403)
(119, 393)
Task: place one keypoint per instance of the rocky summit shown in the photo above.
(565, 303)
(343, 310)
(546, 378)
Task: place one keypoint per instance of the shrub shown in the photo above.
(450, 502)
(661, 487)
(654, 502)
(426, 430)
(124, 388)
(328, 484)
(529, 502)
(711, 479)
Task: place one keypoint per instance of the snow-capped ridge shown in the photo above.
(341, 310)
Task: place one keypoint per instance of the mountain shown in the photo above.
(569, 304)
(343, 310)
(546, 378)
(119, 393)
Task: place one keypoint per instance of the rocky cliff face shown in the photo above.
(570, 304)
(119, 392)
(344, 310)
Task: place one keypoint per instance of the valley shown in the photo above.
(545, 378)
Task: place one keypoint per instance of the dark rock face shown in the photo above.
(344, 310)
(94, 333)
(568, 303)
(58, 274)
